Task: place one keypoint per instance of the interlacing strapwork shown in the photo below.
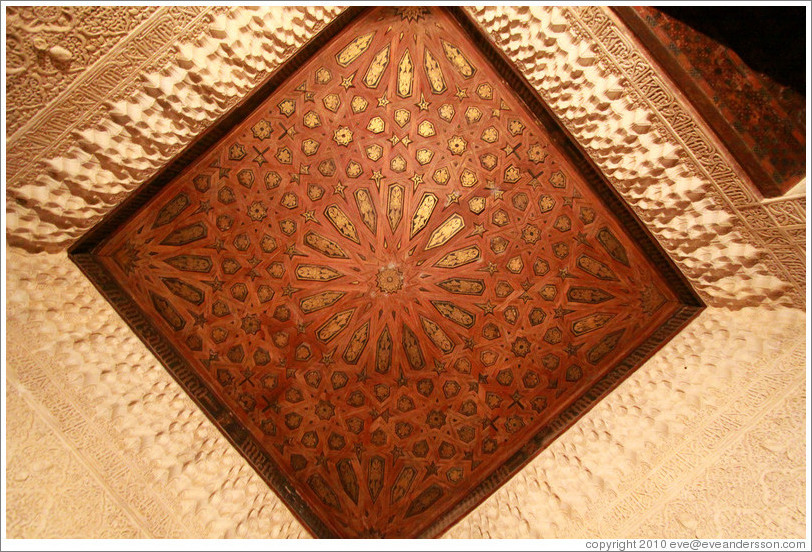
(390, 274)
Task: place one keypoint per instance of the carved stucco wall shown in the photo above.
(706, 439)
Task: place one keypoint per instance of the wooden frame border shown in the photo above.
(82, 253)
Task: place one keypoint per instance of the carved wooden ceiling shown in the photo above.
(392, 282)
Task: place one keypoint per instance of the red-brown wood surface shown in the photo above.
(390, 275)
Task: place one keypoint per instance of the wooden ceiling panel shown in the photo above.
(393, 281)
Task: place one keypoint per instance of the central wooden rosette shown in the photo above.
(390, 280)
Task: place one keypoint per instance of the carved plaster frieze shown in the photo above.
(50, 46)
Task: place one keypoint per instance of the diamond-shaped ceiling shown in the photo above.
(388, 285)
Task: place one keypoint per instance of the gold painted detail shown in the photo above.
(596, 268)
(184, 290)
(334, 326)
(186, 234)
(357, 343)
(457, 145)
(366, 208)
(515, 265)
(332, 102)
(320, 301)
(377, 467)
(323, 490)
(423, 212)
(468, 178)
(317, 273)
(167, 312)
(287, 107)
(398, 164)
(463, 286)
(311, 119)
(446, 112)
(323, 75)
(558, 179)
(402, 117)
(447, 230)
(310, 146)
(477, 204)
(341, 222)
(604, 346)
(324, 246)
(490, 135)
(612, 245)
(485, 91)
(190, 263)
(374, 152)
(403, 483)
(358, 104)
(354, 169)
(458, 60)
(171, 210)
(459, 257)
(394, 208)
(412, 348)
(354, 49)
(591, 323)
(424, 156)
(342, 136)
(473, 114)
(348, 478)
(516, 127)
(434, 73)
(376, 125)
(372, 78)
(405, 75)
(437, 335)
(383, 352)
(426, 129)
(441, 176)
(454, 313)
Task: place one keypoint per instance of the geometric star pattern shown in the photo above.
(389, 274)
